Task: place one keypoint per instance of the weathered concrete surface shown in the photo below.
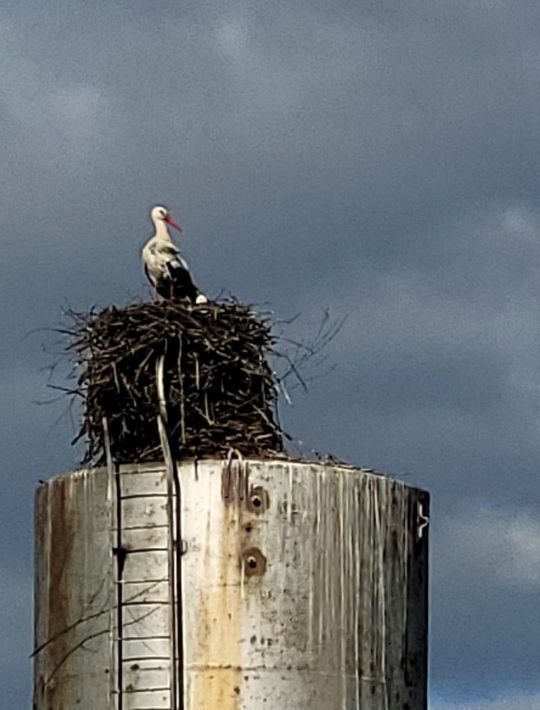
(73, 593)
(303, 586)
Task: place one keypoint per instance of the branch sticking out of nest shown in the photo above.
(220, 390)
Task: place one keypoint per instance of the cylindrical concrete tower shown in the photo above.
(262, 584)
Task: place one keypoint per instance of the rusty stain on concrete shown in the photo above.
(71, 593)
(220, 631)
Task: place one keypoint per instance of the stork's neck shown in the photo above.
(162, 231)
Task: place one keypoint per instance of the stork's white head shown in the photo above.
(161, 214)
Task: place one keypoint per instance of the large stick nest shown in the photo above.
(219, 387)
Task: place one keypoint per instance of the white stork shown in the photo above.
(165, 268)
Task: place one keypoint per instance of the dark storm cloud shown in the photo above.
(491, 563)
(380, 158)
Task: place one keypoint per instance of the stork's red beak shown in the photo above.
(171, 221)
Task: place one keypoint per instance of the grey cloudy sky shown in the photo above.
(378, 157)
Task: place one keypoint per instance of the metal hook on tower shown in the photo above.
(422, 521)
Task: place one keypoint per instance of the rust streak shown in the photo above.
(221, 605)
(60, 549)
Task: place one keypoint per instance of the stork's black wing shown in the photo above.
(181, 284)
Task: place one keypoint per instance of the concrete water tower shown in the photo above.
(230, 581)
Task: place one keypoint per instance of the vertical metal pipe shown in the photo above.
(304, 585)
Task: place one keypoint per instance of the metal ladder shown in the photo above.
(147, 548)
